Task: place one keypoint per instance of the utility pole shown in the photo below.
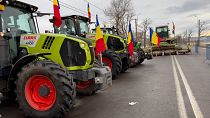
(198, 41)
(136, 23)
(199, 31)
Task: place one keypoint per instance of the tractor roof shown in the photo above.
(162, 26)
(73, 17)
(25, 6)
(76, 16)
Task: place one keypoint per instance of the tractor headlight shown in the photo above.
(82, 45)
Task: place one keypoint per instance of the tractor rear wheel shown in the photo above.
(111, 59)
(45, 90)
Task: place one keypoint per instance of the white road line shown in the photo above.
(180, 99)
(194, 104)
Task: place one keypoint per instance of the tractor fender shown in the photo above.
(22, 62)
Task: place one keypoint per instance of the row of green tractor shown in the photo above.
(45, 72)
(116, 56)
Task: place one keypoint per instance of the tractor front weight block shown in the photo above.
(103, 78)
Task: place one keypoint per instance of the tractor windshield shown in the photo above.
(163, 32)
(67, 27)
(17, 20)
(84, 29)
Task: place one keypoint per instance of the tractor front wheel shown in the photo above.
(45, 90)
(86, 87)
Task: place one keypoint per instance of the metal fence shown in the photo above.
(208, 51)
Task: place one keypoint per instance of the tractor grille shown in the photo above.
(92, 55)
(48, 42)
(72, 54)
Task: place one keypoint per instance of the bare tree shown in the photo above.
(121, 12)
(145, 26)
(203, 27)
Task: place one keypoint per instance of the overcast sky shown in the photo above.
(161, 12)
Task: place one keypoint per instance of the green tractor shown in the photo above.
(87, 72)
(139, 53)
(40, 85)
(32, 65)
(167, 44)
(78, 26)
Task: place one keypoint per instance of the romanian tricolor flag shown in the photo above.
(89, 13)
(130, 41)
(100, 44)
(154, 38)
(57, 16)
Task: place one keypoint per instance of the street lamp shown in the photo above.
(199, 35)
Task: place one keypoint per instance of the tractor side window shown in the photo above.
(115, 44)
(19, 21)
(23, 22)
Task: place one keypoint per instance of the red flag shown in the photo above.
(100, 44)
(130, 42)
(57, 16)
(89, 13)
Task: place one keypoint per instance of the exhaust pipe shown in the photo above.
(1, 97)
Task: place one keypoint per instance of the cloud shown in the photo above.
(188, 6)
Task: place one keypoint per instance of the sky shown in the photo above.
(184, 13)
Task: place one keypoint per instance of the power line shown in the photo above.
(76, 9)
(71, 8)
(96, 6)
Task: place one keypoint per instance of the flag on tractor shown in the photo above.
(100, 44)
(89, 13)
(173, 31)
(154, 38)
(130, 41)
(57, 16)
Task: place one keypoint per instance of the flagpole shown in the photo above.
(100, 58)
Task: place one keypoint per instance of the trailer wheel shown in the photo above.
(45, 90)
(111, 59)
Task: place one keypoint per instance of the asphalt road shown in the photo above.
(165, 87)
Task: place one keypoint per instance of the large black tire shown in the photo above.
(125, 64)
(142, 55)
(116, 61)
(88, 90)
(61, 80)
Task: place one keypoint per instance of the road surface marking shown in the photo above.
(194, 104)
(180, 99)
